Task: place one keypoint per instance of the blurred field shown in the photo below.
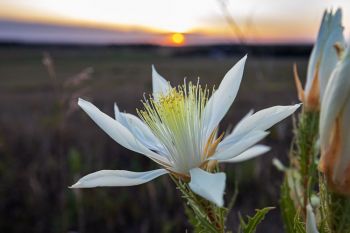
(46, 143)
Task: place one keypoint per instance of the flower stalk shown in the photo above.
(301, 177)
(306, 153)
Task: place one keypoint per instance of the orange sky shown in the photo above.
(154, 20)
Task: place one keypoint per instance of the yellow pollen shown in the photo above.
(175, 118)
(172, 101)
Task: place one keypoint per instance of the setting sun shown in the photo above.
(178, 38)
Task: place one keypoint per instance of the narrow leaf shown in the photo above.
(253, 222)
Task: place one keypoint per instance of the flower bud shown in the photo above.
(324, 56)
(335, 128)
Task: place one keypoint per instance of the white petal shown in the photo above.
(335, 105)
(222, 99)
(261, 120)
(323, 55)
(208, 185)
(117, 131)
(117, 114)
(139, 129)
(329, 59)
(337, 91)
(159, 84)
(311, 226)
(106, 178)
(343, 161)
(249, 154)
(265, 119)
(239, 146)
(249, 114)
(317, 50)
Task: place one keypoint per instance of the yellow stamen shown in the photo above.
(211, 145)
(208, 144)
(175, 118)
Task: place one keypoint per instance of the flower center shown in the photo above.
(176, 120)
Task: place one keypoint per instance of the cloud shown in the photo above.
(47, 33)
(16, 31)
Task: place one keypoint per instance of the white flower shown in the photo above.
(323, 58)
(178, 129)
(335, 128)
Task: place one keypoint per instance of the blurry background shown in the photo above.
(52, 52)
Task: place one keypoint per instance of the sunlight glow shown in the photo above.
(259, 20)
(162, 16)
(178, 38)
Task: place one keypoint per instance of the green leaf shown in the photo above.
(253, 222)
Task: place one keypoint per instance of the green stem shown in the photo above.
(306, 152)
(301, 177)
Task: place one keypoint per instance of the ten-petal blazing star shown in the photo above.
(178, 129)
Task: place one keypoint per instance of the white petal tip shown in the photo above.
(264, 134)
(116, 108)
(82, 102)
(154, 69)
(298, 105)
(295, 107)
(243, 59)
(249, 154)
(76, 185)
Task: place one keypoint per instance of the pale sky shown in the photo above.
(260, 20)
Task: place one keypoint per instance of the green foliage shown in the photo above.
(306, 153)
(291, 218)
(287, 208)
(324, 215)
(301, 178)
(298, 225)
(301, 181)
(340, 213)
(335, 211)
(250, 225)
(206, 217)
(203, 215)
